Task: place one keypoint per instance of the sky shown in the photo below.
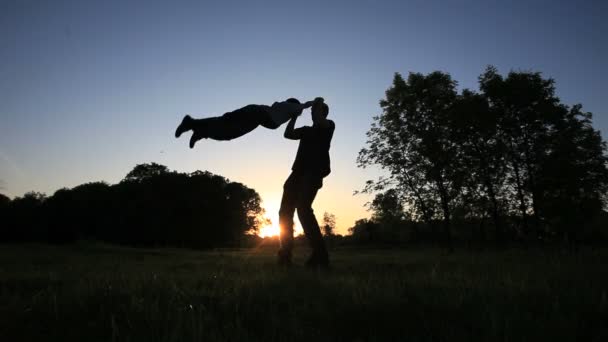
(89, 89)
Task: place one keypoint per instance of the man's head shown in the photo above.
(319, 110)
(292, 100)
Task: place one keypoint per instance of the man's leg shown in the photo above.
(308, 189)
(286, 213)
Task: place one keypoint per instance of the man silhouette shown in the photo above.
(311, 165)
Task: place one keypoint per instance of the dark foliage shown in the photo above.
(510, 156)
(152, 206)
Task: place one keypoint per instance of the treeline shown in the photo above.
(151, 206)
(509, 162)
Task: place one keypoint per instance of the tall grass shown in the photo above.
(91, 292)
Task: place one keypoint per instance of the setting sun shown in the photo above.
(269, 230)
(272, 214)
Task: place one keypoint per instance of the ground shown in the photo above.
(92, 292)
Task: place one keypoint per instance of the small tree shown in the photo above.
(329, 224)
(387, 208)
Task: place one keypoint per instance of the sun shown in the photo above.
(272, 214)
(271, 209)
(269, 230)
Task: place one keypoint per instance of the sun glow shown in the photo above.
(272, 215)
(269, 230)
(273, 229)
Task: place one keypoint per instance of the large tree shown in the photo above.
(510, 150)
(573, 176)
(152, 206)
(475, 130)
(412, 140)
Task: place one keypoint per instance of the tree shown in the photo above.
(510, 150)
(524, 102)
(25, 218)
(329, 224)
(4, 212)
(412, 140)
(4, 200)
(364, 230)
(152, 206)
(551, 150)
(573, 175)
(482, 153)
(145, 171)
(387, 207)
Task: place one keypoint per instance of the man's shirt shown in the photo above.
(313, 152)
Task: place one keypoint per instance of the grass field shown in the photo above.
(88, 292)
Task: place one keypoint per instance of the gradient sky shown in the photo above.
(89, 89)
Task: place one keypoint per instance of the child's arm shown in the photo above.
(300, 107)
(307, 104)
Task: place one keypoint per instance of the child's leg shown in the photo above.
(230, 125)
(239, 122)
(184, 126)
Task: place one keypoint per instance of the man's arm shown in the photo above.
(290, 132)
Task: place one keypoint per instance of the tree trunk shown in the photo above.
(495, 216)
(520, 195)
(421, 204)
(445, 206)
(533, 191)
(482, 233)
(499, 239)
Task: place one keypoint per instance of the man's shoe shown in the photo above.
(186, 125)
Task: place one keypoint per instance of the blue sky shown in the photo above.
(89, 89)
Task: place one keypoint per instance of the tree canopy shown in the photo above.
(151, 206)
(510, 152)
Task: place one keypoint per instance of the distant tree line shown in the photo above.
(509, 162)
(151, 206)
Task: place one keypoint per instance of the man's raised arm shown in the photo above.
(290, 132)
